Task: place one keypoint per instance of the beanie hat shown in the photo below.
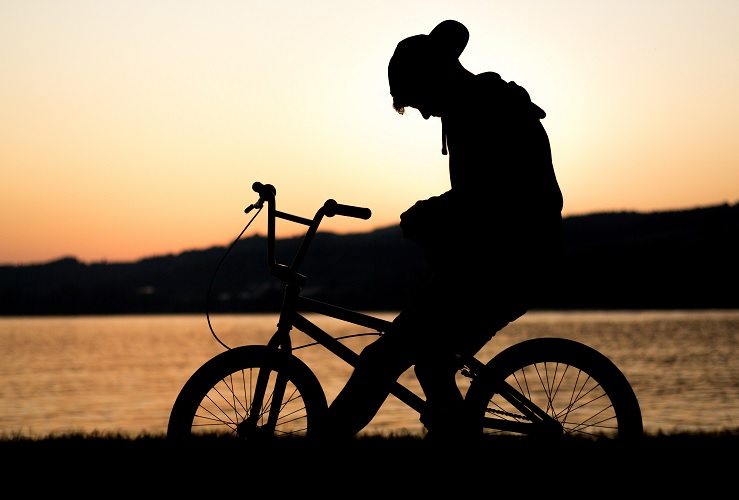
(416, 57)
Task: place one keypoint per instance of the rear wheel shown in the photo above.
(576, 390)
(221, 397)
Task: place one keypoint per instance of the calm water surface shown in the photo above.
(123, 373)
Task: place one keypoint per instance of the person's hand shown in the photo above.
(412, 222)
(420, 223)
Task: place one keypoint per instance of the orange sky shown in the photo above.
(132, 129)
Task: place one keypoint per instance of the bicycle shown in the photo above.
(540, 388)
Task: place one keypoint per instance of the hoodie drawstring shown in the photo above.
(443, 138)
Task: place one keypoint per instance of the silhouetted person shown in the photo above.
(492, 240)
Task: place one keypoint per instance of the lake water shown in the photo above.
(123, 373)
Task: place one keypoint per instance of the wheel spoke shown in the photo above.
(571, 383)
(219, 397)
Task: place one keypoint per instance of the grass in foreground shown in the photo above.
(385, 466)
(158, 443)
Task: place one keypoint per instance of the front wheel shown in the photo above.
(249, 392)
(552, 386)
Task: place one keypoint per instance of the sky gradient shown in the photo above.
(133, 129)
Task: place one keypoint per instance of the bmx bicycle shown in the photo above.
(542, 387)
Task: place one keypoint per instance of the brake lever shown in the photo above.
(259, 204)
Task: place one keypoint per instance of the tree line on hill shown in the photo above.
(619, 260)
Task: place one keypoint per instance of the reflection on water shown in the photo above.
(122, 374)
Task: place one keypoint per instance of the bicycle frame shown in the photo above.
(294, 305)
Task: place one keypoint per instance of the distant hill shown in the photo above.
(619, 260)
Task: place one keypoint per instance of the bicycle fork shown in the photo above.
(250, 427)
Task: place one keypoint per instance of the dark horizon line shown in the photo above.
(381, 228)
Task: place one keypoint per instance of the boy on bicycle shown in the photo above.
(493, 240)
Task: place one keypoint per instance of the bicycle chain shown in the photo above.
(507, 414)
(469, 374)
(465, 371)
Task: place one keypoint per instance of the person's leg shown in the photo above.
(380, 364)
(462, 328)
(437, 377)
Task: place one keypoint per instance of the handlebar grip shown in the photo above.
(260, 188)
(332, 208)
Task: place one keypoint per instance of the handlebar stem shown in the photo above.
(330, 208)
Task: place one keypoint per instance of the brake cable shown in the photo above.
(215, 272)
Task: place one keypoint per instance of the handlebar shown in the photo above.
(332, 208)
(264, 190)
(267, 194)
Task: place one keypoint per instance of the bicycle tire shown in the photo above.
(579, 387)
(217, 399)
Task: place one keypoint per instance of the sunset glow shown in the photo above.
(133, 129)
